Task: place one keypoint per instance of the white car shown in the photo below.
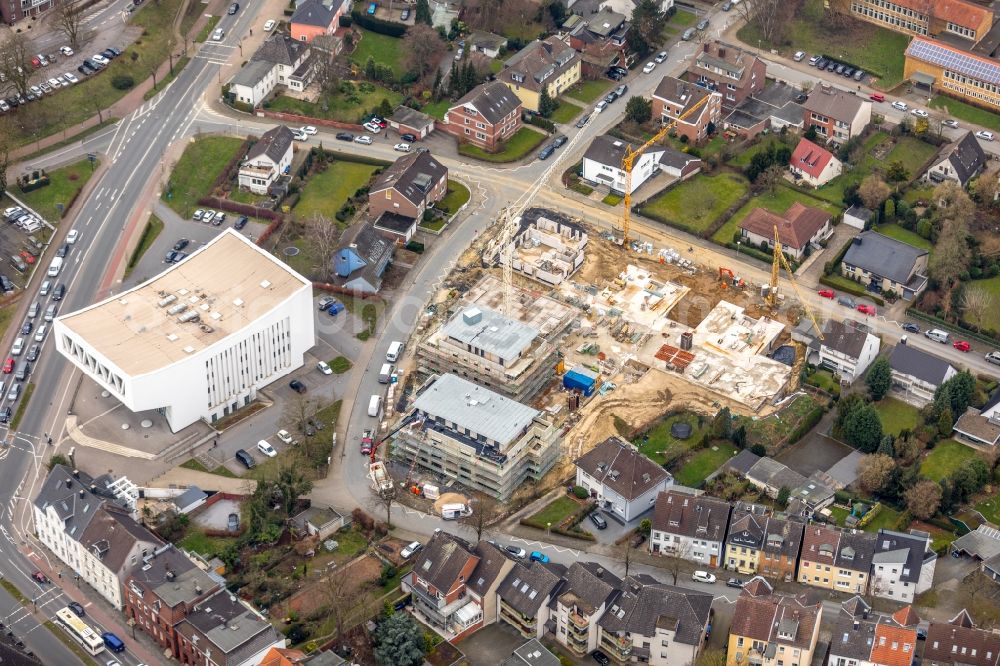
(600, 106)
(984, 135)
(920, 113)
(372, 127)
(99, 59)
(324, 367)
(703, 577)
(72, 236)
(899, 106)
(799, 56)
(950, 123)
(299, 135)
(364, 138)
(65, 50)
(410, 550)
(266, 448)
(402, 147)
(71, 77)
(269, 25)
(650, 66)
(660, 57)
(284, 436)
(55, 84)
(218, 35)
(308, 129)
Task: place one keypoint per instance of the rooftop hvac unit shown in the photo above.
(166, 300)
(177, 309)
(188, 316)
(205, 328)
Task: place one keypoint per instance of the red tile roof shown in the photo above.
(906, 617)
(960, 12)
(810, 158)
(799, 224)
(893, 645)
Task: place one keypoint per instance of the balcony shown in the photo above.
(578, 620)
(619, 647)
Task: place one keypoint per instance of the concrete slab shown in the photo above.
(531, 307)
(216, 516)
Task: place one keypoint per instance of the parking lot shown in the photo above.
(19, 252)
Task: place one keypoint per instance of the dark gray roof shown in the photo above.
(189, 496)
(701, 517)
(619, 466)
(742, 462)
(173, 578)
(884, 256)
(532, 653)
(847, 337)
(275, 143)
(859, 212)
(441, 561)
(252, 73)
(966, 156)
(909, 360)
(72, 499)
(605, 149)
(909, 550)
(229, 626)
(860, 545)
(493, 100)
(782, 537)
(404, 115)
(676, 159)
(112, 534)
(526, 588)
(746, 529)
(370, 246)
(280, 49)
(491, 562)
(316, 12)
(394, 222)
(413, 175)
(589, 585)
(852, 641)
(645, 604)
(834, 103)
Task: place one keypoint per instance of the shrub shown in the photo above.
(415, 246)
(580, 492)
(378, 25)
(123, 82)
(364, 522)
(758, 449)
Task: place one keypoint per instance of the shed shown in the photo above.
(190, 499)
(319, 521)
(410, 121)
(858, 217)
(581, 379)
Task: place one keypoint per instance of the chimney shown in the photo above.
(76, 474)
(82, 493)
(857, 240)
(722, 52)
(69, 483)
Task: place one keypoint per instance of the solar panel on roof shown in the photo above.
(955, 61)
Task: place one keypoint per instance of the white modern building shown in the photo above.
(624, 482)
(267, 160)
(221, 324)
(848, 348)
(903, 565)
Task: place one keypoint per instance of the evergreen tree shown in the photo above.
(399, 641)
(863, 428)
(436, 88)
(423, 13)
(371, 71)
(546, 105)
(722, 425)
(783, 494)
(886, 446)
(879, 378)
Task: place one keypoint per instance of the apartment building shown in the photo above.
(587, 594)
(759, 543)
(728, 70)
(549, 64)
(960, 641)
(769, 629)
(689, 527)
(685, 102)
(224, 630)
(524, 598)
(848, 348)
(835, 559)
(487, 116)
(903, 565)
(862, 637)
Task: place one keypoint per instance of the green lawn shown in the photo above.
(777, 202)
(384, 49)
(897, 416)
(824, 379)
(967, 112)
(207, 29)
(556, 511)
(203, 544)
(683, 19)
(458, 195)
(340, 365)
(437, 109)
(659, 445)
(713, 194)
(703, 463)
(324, 193)
(196, 170)
(64, 185)
(874, 49)
(742, 159)
(566, 112)
(885, 519)
(349, 108)
(839, 514)
(612, 199)
(910, 151)
(991, 320)
(179, 65)
(523, 142)
(990, 508)
(905, 235)
(153, 228)
(589, 92)
(944, 459)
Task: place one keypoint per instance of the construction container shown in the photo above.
(687, 340)
(581, 379)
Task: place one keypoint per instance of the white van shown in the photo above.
(937, 335)
(18, 347)
(395, 349)
(55, 267)
(385, 374)
(454, 511)
(375, 405)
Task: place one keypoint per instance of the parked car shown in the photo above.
(297, 386)
(66, 51)
(100, 59)
(962, 345)
(410, 550)
(598, 521)
(363, 139)
(367, 442)
(650, 66)
(269, 25)
(539, 557)
(688, 34)
(799, 56)
(402, 147)
(993, 357)
(40, 577)
(702, 24)
(324, 367)
(859, 75)
(233, 8)
(372, 127)
(734, 582)
(8, 366)
(948, 122)
(911, 328)
(847, 301)
(344, 136)
(827, 293)
(285, 437)
(920, 113)
(218, 35)
(900, 106)
(703, 577)
(515, 551)
(814, 60)
(245, 458)
(409, 138)
(59, 292)
(72, 236)
(240, 223)
(559, 141)
(308, 129)
(599, 656)
(546, 152)
(600, 106)
(76, 608)
(71, 77)
(660, 57)
(822, 63)
(984, 135)
(866, 309)
(582, 121)
(265, 447)
(404, 15)
(233, 522)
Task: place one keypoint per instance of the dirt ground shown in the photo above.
(449, 498)
(360, 572)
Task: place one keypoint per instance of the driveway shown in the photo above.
(811, 274)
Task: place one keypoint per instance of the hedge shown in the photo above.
(378, 25)
(830, 267)
(868, 517)
(960, 327)
(544, 123)
(857, 291)
(350, 157)
(580, 514)
(807, 423)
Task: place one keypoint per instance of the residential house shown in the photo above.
(776, 107)
(267, 160)
(409, 186)
(759, 543)
(290, 657)
(160, 593)
(549, 64)
(799, 229)
(983, 543)
(524, 596)
(960, 641)
(917, 374)
(863, 637)
(493, 567)
(882, 264)
(653, 623)
(772, 630)
(729, 70)
(690, 527)
(814, 165)
(771, 476)
(837, 115)
(486, 43)
(675, 100)
(624, 482)
(836, 559)
(487, 116)
(602, 164)
(903, 565)
(957, 21)
(961, 161)
(89, 532)
(438, 583)
(981, 426)
(848, 348)
(587, 594)
(600, 38)
(313, 18)
(858, 217)
(362, 259)
(224, 630)
(531, 653)
(933, 66)
(410, 121)
(279, 61)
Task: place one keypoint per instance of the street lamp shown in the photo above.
(738, 245)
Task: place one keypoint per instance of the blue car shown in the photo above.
(538, 557)
(335, 308)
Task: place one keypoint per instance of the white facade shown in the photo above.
(663, 649)
(616, 503)
(582, 627)
(699, 551)
(268, 341)
(850, 368)
(258, 173)
(831, 170)
(916, 390)
(613, 175)
(51, 532)
(253, 91)
(886, 581)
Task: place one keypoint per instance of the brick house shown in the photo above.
(837, 115)
(674, 97)
(798, 227)
(313, 18)
(486, 116)
(729, 70)
(438, 584)
(959, 641)
(409, 186)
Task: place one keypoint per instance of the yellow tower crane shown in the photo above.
(628, 161)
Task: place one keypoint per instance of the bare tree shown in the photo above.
(923, 498)
(770, 17)
(7, 130)
(976, 302)
(345, 598)
(485, 510)
(771, 177)
(323, 236)
(68, 17)
(382, 499)
(424, 46)
(15, 61)
(874, 471)
(954, 202)
(324, 62)
(675, 561)
(977, 594)
(951, 252)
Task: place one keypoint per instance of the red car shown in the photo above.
(866, 309)
(28, 257)
(366, 443)
(40, 577)
(8, 366)
(827, 293)
(960, 345)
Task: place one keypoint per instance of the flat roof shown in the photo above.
(229, 283)
(475, 408)
(490, 331)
